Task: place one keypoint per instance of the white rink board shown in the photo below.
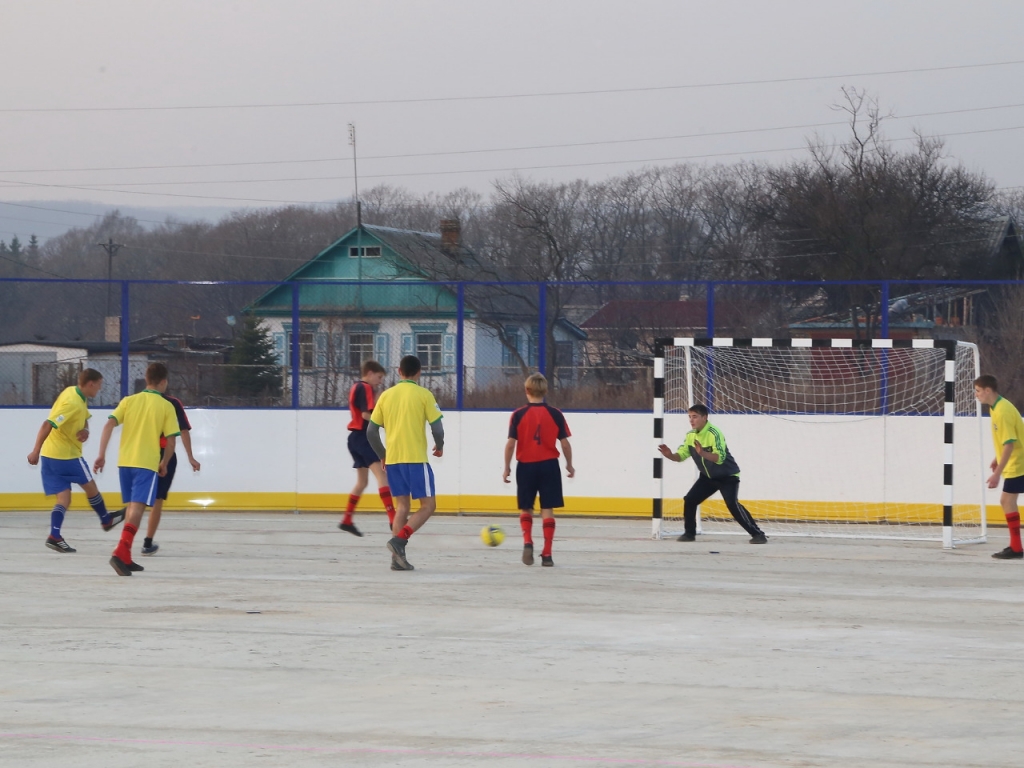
(285, 451)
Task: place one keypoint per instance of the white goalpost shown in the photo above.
(833, 437)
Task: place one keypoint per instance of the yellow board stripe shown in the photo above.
(795, 511)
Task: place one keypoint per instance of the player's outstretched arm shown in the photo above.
(668, 453)
(168, 453)
(373, 437)
(437, 430)
(570, 470)
(510, 448)
(186, 440)
(101, 459)
(997, 470)
(44, 432)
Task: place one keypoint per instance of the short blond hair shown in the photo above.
(537, 385)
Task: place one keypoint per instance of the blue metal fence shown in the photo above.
(478, 340)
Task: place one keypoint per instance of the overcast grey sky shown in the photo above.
(75, 62)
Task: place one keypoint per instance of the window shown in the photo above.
(360, 349)
(366, 251)
(428, 350)
(307, 348)
(564, 358)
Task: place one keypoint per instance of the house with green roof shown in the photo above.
(383, 293)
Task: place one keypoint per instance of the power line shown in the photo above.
(110, 187)
(538, 94)
(567, 145)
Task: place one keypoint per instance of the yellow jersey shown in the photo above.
(403, 411)
(1007, 427)
(143, 418)
(68, 416)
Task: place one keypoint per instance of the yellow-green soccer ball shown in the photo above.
(492, 535)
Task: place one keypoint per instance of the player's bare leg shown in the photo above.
(107, 519)
(121, 560)
(405, 526)
(526, 524)
(381, 476)
(362, 479)
(548, 524)
(155, 513)
(1008, 501)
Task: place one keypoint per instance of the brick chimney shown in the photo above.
(451, 236)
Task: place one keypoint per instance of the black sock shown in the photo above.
(147, 542)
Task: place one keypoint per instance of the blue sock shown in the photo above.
(57, 520)
(96, 502)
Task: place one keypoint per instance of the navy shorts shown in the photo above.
(543, 478)
(60, 474)
(362, 454)
(1013, 484)
(163, 484)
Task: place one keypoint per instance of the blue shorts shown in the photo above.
(1013, 484)
(416, 480)
(60, 474)
(138, 484)
(362, 454)
(539, 478)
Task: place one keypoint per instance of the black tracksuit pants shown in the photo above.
(704, 489)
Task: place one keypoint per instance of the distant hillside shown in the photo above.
(50, 218)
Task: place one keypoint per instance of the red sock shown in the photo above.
(549, 536)
(526, 523)
(1013, 523)
(389, 505)
(405, 533)
(350, 508)
(123, 550)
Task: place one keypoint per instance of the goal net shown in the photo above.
(833, 437)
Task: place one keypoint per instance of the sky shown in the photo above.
(247, 103)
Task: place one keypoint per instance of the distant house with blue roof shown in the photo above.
(383, 293)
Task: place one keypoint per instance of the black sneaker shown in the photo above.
(1006, 554)
(546, 561)
(151, 549)
(59, 545)
(759, 538)
(115, 518)
(397, 546)
(135, 567)
(687, 537)
(119, 565)
(351, 528)
(527, 554)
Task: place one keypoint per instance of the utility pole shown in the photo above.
(111, 248)
(359, 215)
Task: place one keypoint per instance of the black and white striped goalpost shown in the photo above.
(949, 406)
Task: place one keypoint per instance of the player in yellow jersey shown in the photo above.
(59, 446)
(1007, 436)
(144, 417)
(403, 412)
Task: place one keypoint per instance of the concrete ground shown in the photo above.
(278, 640)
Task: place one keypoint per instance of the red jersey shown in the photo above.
(537, 427)
(360, 400)
(179, 411)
